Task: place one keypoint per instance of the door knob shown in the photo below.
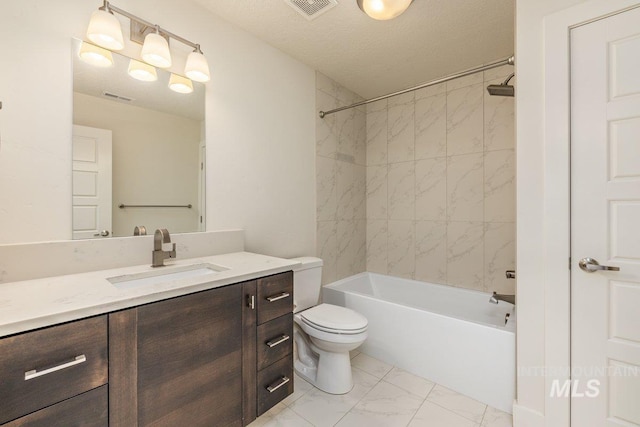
(590, 265)
(103, 233)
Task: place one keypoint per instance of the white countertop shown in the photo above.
(33, 304)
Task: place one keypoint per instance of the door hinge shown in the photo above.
(569, 263)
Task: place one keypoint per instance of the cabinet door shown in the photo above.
(188, 361)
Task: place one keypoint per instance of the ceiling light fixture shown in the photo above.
(383, 9)
(180, 84)
(141, 71)
(95, 55)
(104, 30)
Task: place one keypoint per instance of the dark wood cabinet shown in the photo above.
(203, 359)
(88, 409)
(47, 366)
(219, 357)
(274, 340)
(188, 360)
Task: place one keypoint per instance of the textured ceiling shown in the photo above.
(431, 39)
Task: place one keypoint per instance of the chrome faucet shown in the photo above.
(501, 297)
(158, 255)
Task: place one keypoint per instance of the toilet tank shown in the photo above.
(307, 280)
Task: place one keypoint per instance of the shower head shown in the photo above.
(503, 89)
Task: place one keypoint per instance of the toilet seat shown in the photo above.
(334, 319)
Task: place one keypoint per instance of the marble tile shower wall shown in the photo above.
(440, 185)
(340, 181)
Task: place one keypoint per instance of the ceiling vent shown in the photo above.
(116, 97)
(311, 9)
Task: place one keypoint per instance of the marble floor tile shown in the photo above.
(458, 403)
(496, 418)
(432, 415)
(300, 387)
(287, 418)
(370, 365)
(409, 382)
(353, 353)
(325, 410)
(398, 399)
(385, 405)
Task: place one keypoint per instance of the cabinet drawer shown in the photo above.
(275, 296)
(275, 340)
(44, 367)
(275, 383)
(87, 410)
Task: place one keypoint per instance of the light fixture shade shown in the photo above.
(197, 68)
(141, 71)
(105, 30)
(95, 55)
(180, 84)
(155, 51)
(383, 9)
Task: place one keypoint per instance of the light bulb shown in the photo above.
(105, 30)
(197, 68)
(95, 55)
(180, 84)
(383, 9)
(155, 51)
(141, 71)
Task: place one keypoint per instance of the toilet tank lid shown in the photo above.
(307, 262)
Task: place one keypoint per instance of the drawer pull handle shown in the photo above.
(277, 341)
(29, 375)
(278, 297)
(280, 383)
(251, 302)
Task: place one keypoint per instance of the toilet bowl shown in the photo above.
(324, 334)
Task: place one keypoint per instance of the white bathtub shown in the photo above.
(448, 335)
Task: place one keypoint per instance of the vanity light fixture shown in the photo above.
(95, 55)
(180, 84)
(105, 30)
(141, 71)
(154, 40)
(155, 50)
(197, 68)
(383, 9)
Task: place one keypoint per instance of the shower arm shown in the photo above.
(495, 64)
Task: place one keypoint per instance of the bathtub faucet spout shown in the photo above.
(511, 299)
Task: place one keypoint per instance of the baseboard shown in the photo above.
(526, 417)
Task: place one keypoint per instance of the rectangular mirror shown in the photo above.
(138, 151)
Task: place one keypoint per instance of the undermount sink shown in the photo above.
(158, 277)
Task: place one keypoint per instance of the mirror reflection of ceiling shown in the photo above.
(431, 39)
(94, 81)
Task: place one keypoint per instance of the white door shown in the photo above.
(91, 182)
(605, 221)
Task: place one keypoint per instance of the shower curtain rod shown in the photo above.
(495, 64)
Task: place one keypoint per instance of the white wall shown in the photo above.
(531, 391)
(155, 161)
(260, 125)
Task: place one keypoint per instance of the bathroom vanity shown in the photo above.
(220, 353)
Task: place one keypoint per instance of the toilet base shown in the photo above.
(328, 371)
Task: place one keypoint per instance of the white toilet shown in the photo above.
(324, 334)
